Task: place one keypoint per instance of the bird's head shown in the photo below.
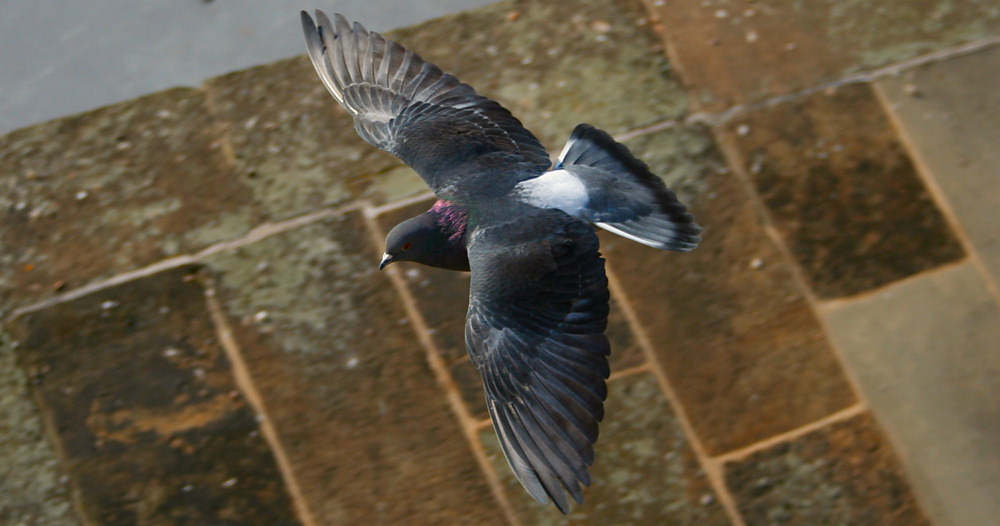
(412, 240)
(423, 239)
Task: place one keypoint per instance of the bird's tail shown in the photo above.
(623, 196)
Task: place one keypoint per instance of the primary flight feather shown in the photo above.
(538, 299)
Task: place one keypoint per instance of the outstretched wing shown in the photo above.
(538, 308)
(410, 108)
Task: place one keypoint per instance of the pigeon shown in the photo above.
(522, 227)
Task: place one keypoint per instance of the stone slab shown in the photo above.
(735, 52)
(842, 191)
(99, 193)
(949, 112)
(926, 356)
(736, 336)
(145, 411)
(346, 383)
(294, 146)
(644, 471)
(842, 475)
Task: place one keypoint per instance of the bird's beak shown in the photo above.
(386, 259)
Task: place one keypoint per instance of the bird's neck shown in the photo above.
(452, 219)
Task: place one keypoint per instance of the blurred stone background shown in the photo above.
(194, 330)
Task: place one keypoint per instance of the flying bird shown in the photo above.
(538, 298)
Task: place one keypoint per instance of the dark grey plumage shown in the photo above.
(538, 308)
(410, 108)
(538, 300)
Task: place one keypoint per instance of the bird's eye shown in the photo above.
(406, 246)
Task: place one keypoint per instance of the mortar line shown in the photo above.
(935, 56)
(99, 285)
(827, 305)
(244, 382)
(712, 468)
(939, 196)
(399, 203)
(629, 371)
(467, 422)
(720, 118)
(727, 115)
(723, 117)
(652, 128)
(742, 453)
(266, 230)
(50, 432)
(255, 234)
(485, 423)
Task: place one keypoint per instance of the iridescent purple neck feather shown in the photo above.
(451, 218)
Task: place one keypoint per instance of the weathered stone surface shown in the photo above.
(734, 52)
(144, 406)
(844, 474)
(644, 471)
(295, 147)
(949, 114)
(555, 64)
(98, 193)
(366, 427)
(739, 342)
(926, 357)
(842, 191)
(33, 486)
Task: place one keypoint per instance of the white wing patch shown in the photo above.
(556, 189)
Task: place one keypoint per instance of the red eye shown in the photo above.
(406, 246)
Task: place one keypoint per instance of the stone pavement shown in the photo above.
(194, 329)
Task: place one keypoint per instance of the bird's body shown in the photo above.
(538, 299)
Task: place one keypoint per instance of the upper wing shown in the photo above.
(538, 309)
(410, 108)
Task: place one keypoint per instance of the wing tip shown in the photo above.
(308, 25)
